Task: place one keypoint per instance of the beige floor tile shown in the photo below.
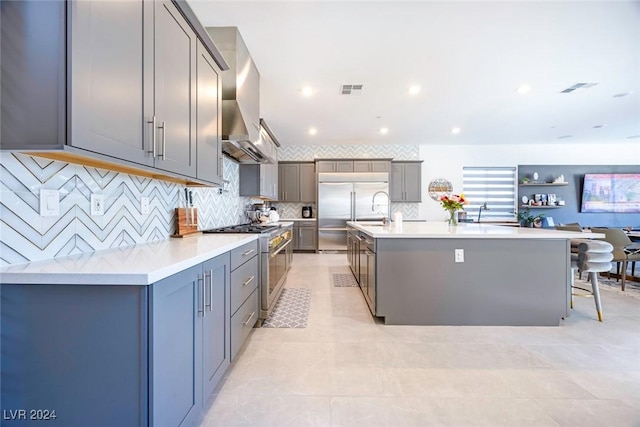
(349, 369)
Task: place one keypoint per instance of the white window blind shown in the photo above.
(494, 185)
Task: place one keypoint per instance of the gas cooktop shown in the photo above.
(244, 228)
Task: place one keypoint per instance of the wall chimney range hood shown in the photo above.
(240, 99)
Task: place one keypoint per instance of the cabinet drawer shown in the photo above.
(242, 322)
(244, 253)
(243, 281)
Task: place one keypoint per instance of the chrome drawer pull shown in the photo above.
(201, 280)
(152, 122)
(248, 252)
(210, 275)
(249, 280)
(249, 319)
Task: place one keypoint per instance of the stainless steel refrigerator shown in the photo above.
(346, 197)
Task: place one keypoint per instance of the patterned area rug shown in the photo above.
(632, 288)
(291, 309)
(344, 280)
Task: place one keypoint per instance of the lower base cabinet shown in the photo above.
(305, 236)
(95, 355)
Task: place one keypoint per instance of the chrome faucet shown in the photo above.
(482, 206)
(385, 219)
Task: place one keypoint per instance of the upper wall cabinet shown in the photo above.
(371, 165)
(296, 182)
(136, 77)
(405, 181)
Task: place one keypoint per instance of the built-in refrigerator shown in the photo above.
(346, 197)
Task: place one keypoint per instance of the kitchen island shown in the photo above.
(471, 274)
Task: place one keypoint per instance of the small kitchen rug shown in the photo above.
(344, 280)
(291, 309)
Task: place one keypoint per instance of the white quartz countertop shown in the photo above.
(141, 264)
(298, 219)
(440, 230)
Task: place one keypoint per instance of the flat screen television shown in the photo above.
(611, 192)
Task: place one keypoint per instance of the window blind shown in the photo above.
(494, 185)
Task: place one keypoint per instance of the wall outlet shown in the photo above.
(97, 204)
(49, 202)
(144, 205)
(459, 255)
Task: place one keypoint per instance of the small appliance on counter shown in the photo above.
(307, 212)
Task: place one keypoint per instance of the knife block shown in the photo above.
(182, 227)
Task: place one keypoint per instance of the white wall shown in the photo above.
(447, 161)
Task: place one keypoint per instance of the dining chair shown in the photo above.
(621, 252)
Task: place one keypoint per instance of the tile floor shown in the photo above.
(345, 369)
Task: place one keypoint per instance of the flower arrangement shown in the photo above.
(452, 203)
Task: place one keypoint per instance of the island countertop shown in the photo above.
(440, 230)
(140, 264)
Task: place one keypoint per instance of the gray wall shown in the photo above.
(572, 194)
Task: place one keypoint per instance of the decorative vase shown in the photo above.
(453, 220)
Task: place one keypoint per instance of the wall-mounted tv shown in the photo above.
(611, 192)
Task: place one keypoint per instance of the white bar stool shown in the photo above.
(592, 257)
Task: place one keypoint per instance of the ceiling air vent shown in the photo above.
(350, 89)
(578, 86)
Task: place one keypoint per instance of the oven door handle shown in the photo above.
(280, 249)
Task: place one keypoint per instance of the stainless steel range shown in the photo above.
(276, 255)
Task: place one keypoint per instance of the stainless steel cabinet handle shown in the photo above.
(201, 300)
(249, 319)
(152, 122)
(248, 252)
(249, 280)
(164, 140)
(209, 274)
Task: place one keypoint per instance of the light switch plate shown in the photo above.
(97, 204)
(49, 202)
(144, 205)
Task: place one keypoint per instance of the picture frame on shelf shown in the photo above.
(551, 199)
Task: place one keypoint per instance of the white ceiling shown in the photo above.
(468, 57)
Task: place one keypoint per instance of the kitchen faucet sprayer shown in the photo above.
(385, 219)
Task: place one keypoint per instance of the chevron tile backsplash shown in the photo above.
(26, 236)
(309, 153)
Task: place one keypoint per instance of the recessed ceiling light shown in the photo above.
(621, 94)
(633, 137)
(313, 131)
(307, 91)
(598, 126)
(524, 89)
(384, 131)
(565, 136)
(455, 130)
(414, 90)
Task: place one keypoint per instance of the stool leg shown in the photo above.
(573, 274)
(633, 268)
(624, 272)
(596, 294)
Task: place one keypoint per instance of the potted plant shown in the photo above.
(527, 219)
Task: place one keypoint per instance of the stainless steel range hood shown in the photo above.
(240, 98)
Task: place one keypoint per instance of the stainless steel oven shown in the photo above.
(275, 264)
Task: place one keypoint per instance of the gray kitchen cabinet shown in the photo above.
(371, 165)
(305, 236)
(297, 182)
(259, 180)
(216, 342)
(335, 165)
(208, 118)
(406, 181)
(112, 82)
(244, 311)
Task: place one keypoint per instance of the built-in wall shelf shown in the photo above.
(543, 184)
(540, 207)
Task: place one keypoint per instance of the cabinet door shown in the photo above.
(326, 166)
(289, 185)
(107, 78)
(307, 182)
(215, 322)
(380, 166)
(307, 238)
(176, 369)
(396, 182)
(413, 182)
(344, 166)
(295, 236)
(361, 166)
(175, 66)
(208, 145)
